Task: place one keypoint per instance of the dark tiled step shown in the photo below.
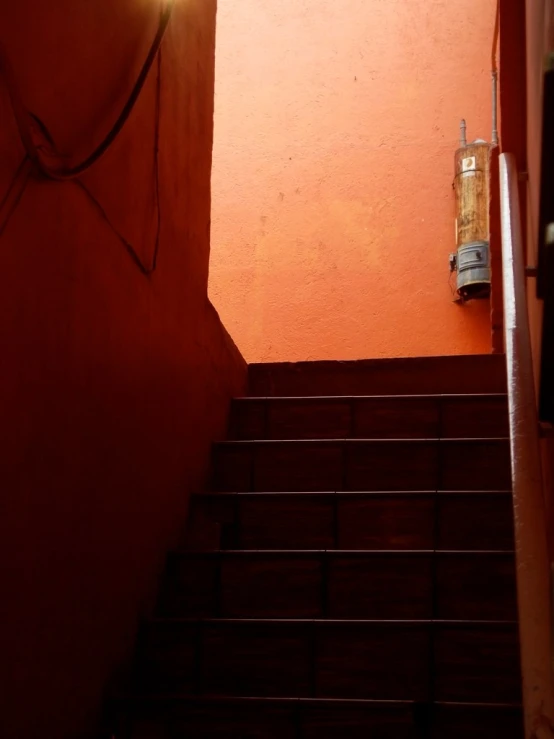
(388, 520)
(273, 718)
(341, 585)
(406, 376)
(379, 660)
(353, 464)
(385, 417)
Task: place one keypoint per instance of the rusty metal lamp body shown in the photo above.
(472, 188)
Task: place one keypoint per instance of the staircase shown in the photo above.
(352, 573)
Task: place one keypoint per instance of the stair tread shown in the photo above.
(345, 552)
(407, 396)
(373, 493)
(287, 700)
(338, 621)
(369, 440)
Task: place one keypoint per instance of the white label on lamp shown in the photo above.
(469, 164)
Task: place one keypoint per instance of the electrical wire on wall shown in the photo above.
(146, 270)
(14, 193)
(33, 162)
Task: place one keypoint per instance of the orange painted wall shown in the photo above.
(333, 213)
(112, 384)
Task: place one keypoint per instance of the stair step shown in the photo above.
(382, 660)
(274, 718)
(356, 520)
(404, 376)
(381, 417)
(341, 585)
(361, 464)
(352, 574)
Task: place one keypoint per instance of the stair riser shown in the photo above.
(362, 465)
(353, 522)
(370, 418)
(355, 660)
(341, 587)
(328, 721)
(418, 375)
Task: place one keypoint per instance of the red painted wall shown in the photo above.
(333, 212)
(112, 384)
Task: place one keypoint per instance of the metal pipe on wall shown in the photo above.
(494, 74)
(532, 560)
(494, 138)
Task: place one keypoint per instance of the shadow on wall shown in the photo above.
(113, 384)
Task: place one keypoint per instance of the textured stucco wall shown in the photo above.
(112, 384)
(333, 214)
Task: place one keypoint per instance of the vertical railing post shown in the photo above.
(532, 561)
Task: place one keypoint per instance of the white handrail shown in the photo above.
(532, 560)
